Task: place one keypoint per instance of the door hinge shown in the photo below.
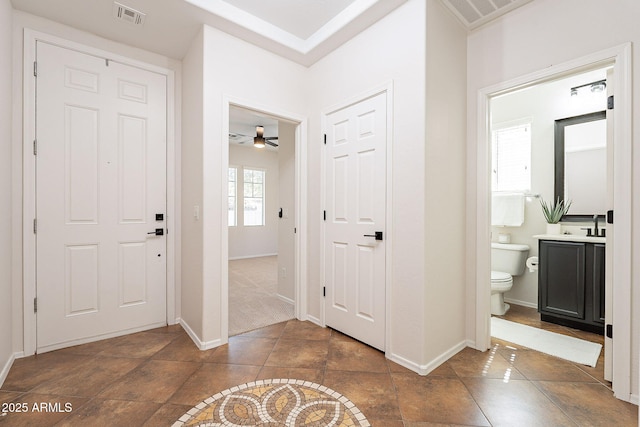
(610, 217)
(325, 139)
(324, 291)
(295, 230)
(609, 331)
(35, 147)
(35, 69)
(35, 226)
(324, 215)
(106, 61)
(35, 305)
(610, 103)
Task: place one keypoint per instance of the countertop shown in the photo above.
(570, 238)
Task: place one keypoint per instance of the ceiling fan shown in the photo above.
(259, 140)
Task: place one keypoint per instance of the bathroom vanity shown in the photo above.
(571, 281)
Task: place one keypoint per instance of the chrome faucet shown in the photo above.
(595, 228)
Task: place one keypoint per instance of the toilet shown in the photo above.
(507, 260)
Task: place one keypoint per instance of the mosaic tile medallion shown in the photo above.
(275, 402)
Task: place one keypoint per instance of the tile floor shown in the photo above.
(152, 378)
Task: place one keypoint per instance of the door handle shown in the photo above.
(158, 232)
(377, 235)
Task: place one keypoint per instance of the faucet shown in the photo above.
(595, 228)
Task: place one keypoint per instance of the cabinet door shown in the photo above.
(562, 278)
(597, 282)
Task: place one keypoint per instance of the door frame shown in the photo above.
(300, 191)
(621, 60)
(386, 88)
(29, 180)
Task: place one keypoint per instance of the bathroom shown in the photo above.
(529, 116)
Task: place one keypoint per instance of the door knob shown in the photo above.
(158, 232)
(377, 235)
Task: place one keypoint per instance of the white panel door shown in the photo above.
(355, 204)
(101, 180)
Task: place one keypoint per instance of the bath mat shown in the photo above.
(562, 346)
(282, 402)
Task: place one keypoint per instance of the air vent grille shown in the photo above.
(128, 14)
(473, 13)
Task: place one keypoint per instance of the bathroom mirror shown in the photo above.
(581, 165)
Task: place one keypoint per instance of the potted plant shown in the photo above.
(553, 213)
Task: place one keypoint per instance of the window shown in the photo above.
(233, 198)
(253, 197)
(511, 156)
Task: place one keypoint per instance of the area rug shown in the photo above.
(275, 402)
(562, 346)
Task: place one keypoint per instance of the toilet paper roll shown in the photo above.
(532, 263)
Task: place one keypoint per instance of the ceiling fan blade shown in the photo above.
(273, 144)
(271, 138)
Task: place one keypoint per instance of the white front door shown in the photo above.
(100, 181)
(355, 206)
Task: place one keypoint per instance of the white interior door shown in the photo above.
(355, 210)
(101, 180)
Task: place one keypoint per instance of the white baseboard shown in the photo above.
(426, 369)
(522, 303)
(202, 345)
(251, 256)
(634, 398)
(315, 320)
(285, 299)
(7, 366)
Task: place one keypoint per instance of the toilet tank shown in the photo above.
(509, 257)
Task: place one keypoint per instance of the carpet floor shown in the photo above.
(253, 295)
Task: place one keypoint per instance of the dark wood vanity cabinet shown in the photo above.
(571, 284)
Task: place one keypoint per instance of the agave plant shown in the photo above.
(553, 212)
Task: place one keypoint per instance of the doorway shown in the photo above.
(261, 218)
(292, 129)
(619, 60)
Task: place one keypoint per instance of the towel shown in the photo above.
(507, 209)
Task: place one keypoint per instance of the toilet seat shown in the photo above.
(501, 281)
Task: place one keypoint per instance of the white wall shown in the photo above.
(286, 224)
(420, 48)
(254, 241)
(543, 104)
(6, 321)
(192, 207)
(531, 38)
(445, 170)
(277, 84)
(391, 50)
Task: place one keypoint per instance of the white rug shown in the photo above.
(562, 346)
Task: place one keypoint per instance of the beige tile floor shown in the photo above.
(152, 378)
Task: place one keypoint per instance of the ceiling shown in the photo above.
(242, 126)
(474, 13)
(301, 30)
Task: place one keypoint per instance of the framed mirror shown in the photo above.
(581, 165)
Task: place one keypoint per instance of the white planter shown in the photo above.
(554, 228)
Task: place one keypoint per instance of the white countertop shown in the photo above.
(570, 238)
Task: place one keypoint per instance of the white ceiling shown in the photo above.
(301, 30)
(242, 126)
(474, 13)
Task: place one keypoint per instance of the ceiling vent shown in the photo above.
(128, 14)
(474, 13)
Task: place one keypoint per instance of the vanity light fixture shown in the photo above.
(258, 140)
(596, 87)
